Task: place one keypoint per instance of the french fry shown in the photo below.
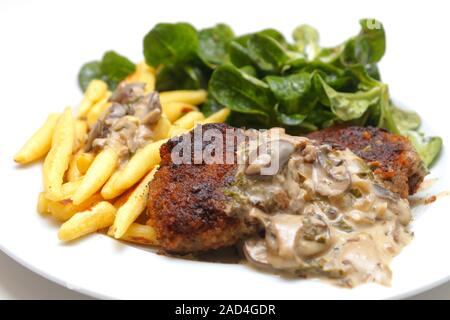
(217, 117)
(58, 158)
(138, 233)
(143, 67)
(120, 201)
(42, 206)
(84, 161)
(81, 128)
(189, 119)
(162, 128)
(108, 190)
(138, 166)
(63, 210)
(72, 173)
(98, 108)
(186, 123)
(146, 77)
(40, 143)
(68, 189)
(149, 79)
(144, 73)
(177, 131)
(82, 223)
(194, 97)
(174, 110)
(133, 207)
(98, 173)
(94, 92)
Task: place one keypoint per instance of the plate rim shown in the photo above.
(98, 295)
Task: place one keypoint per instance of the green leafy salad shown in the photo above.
(267, 80)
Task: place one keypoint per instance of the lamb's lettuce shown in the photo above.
(112, 69)
(242, 93)
(427, 147)
(306, 41)
(213, 44)
(350, 105)
(116, 67)
(170, 43)
(267, 80)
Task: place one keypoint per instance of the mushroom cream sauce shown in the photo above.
(127, 125)
(324, 214)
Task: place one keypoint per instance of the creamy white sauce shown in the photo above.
(127, 125)
(324, 215)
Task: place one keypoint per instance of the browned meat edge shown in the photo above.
(392, 157)
(187, 203)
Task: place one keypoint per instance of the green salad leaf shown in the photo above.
(267, 80)
(112, 69)
(243, 93)
(267, 53)
(213, 44)
(238, 52)
(241, 55)
(349, 106)
(276, 35)
(295, 93)
(251, 71)
(176, 77)
(368, 46)
(405, 119)
(210, 106)
(88, 72)
(116, 67)
(307, 41)
(427, 147)
(293, 119)
(170, 43)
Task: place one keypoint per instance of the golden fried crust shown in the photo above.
(392, 157)
(188, 207)
(187, 204)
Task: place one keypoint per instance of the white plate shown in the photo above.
(43, 45)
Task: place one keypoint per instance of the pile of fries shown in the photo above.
(87, 191)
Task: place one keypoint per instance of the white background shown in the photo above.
(43, 44)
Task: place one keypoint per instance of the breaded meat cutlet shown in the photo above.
(392, 157)
(187, 205)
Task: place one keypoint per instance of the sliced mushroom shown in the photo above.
(255, 252)
(398, 205)
(148, 108)
(116, 111)
(96, 132)
(270, 157)
(384, 193)
(128, 92)
(126, 125)
(281, 233)
(140, 138)
(259, 214)
(127, 122)
(313, 238)
(152, 117)
(361, 217)
(285, 150)
(330, 175)
(262, 161)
